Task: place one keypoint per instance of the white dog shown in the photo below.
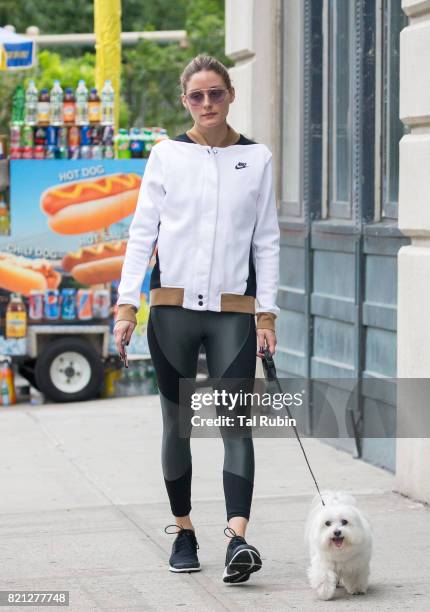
(340, 545)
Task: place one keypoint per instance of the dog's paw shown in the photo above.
(323, 581)
(326, 586)
(359, 591)
(355, 589)
(326, 591)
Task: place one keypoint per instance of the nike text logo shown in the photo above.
(241, 165)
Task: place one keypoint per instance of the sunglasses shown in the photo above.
(216, 96)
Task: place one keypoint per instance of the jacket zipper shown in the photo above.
(213, 151)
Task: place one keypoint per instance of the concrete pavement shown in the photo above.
(83, 508)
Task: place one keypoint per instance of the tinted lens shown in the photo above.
(217, 95)
(196, 98)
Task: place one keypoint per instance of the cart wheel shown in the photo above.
(69, 370)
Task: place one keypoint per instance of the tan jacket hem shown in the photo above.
(174, 296)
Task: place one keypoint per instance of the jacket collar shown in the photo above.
(231, 138)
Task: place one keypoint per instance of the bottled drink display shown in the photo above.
(69, 124)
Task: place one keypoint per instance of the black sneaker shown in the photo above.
(241, 559)
(184, 551)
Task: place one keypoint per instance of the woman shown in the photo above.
(207, 200)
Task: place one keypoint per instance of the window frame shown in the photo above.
(385, 208)
(336, 209)
(292, 208)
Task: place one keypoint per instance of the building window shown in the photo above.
(292, 85)
(339, 108)
(393, 21)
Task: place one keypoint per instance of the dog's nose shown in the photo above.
(337, 533)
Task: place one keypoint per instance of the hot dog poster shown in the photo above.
(69, 223)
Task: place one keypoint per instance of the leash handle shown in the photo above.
(270, 374)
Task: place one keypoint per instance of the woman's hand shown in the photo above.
(266, 337)
(123, 330)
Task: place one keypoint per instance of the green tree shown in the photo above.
(150, 71)
(50, 16)
(77, 15)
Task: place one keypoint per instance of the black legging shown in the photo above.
(175, 335)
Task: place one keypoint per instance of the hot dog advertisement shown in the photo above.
(89, 205)
(67, 240)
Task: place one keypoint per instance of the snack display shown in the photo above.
(90, 205)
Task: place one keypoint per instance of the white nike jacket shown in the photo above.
(212, 214)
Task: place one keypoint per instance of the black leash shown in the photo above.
(270, 374)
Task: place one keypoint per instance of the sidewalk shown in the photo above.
(83, 508)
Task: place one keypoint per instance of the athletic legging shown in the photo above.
(175, 335)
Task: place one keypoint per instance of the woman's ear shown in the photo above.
(184, 104)
(232, 95)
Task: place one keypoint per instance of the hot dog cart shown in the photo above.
(61, 251)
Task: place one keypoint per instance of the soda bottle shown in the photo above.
(122, 144)
(148, 138)
(94, 107)
(137, 143)
(18, 106)
(31, 96)
(4, 389)
(16, 317)
(107, 135)
(62, 152)
(69, 106)
(161, 135)
(74, 136)
(27, 136)
(81, 103)
(4, 217)
(56, 107)
(7, 386)
(43, 110)
(108, 152)
(108, 101)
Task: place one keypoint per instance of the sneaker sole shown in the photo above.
(184, 569)
(244, 563)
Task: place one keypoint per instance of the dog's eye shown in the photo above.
(328, 523)
(344, 522)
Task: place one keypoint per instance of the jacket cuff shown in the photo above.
(266, 320)
(126, 312)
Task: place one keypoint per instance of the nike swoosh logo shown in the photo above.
(241, 165)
